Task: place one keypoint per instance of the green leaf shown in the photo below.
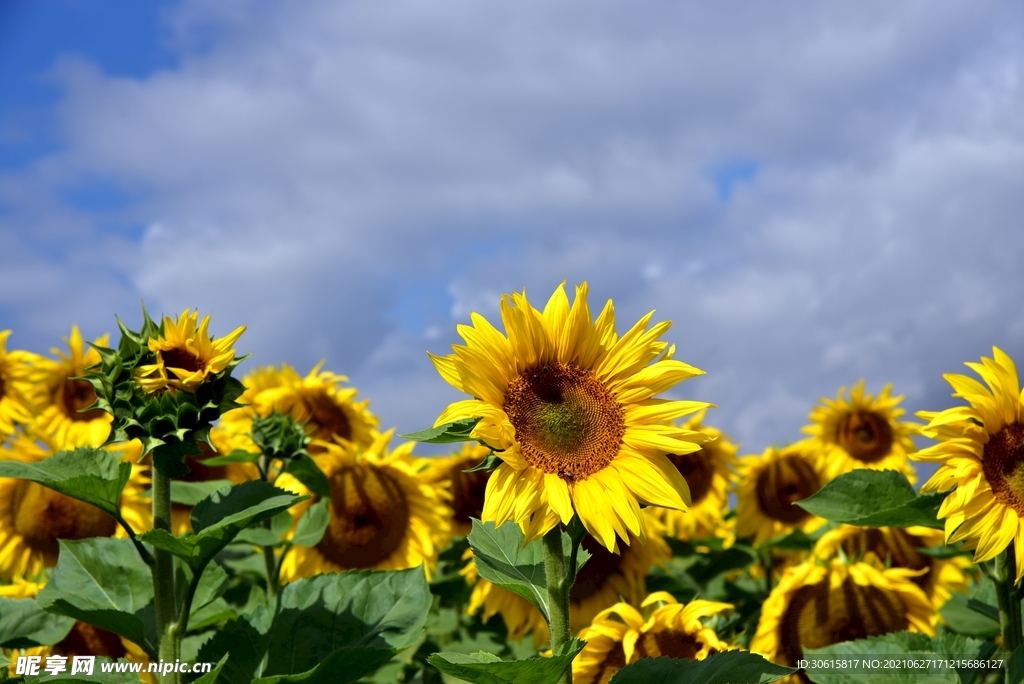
(456, 431)
(1015, 668)
(490, 462)
(312, 525)
(502, 560)
(727, 667)
(191, 493)
(308, 473)
(342, 666)
(485, 668)
(23, 624)
(212, 613)
(874, 498)
(895, 644)
(96, 476)
(236, 456)
(211, 676)
(257, 536)
(797, 540)
(217, 520)
(104, 582)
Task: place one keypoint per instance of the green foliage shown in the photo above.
(308, 473)
(728, 667)
(236, 456)
(95, 476)
(490, 462)
(874, 498)
(502, 559)
(485, 668)
(23, 624)
(104, 582)
(456, 431)
(279, 436)
(313, 524)
(348, 619)
(191, 493)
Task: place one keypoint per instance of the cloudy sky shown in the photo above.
(813, 192)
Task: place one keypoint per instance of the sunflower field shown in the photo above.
(166, 521)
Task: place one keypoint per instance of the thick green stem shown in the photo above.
(1008, 598)
(558, 594)
(272, 574)
(163, 578)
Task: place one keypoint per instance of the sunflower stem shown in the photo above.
(265, 463)
(558, 594)
(163, 578)
(1008, 598)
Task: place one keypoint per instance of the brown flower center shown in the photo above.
(594, 574)
(75, 395)
(369, 517)
(696, 470)
(181, 358)
(3, 387)
(566, 420)
(613, 662)
(896, 547)
(667, 642)
(818, 616)
(42, 516)
(865, 435)
(85, 640)
(781, 484)
(467, 493)
(1002, 462)
(326, 419)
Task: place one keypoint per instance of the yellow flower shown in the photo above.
(620, 636)
(33, 518)
(18, 392)
(329, 410)
(980, 454)
(61, 418)
(186, 355)
(568, 406)
(862, 432)
(770, 485)
(467, 489)
(899, 548)
(384, 514)
(815, 605)
(709, 474)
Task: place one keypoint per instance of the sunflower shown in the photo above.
(605, 579)
(33, 518)
(770, 485)
(18, 391)
(900, 548)
(186, 355)
(981, 455)
(467, 489)
(62, 418)
(568, 406)
(816, 605)
(384, 514)
(709, 474)
(862, 432)
(329, 410)
(619, 636)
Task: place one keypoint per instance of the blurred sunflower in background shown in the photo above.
(709, 473)
(620, 635)
(816, 605)
(770, 484)
(384, 514)
(18, 390)
(467, 489)
(981, 454)
(862, 432)
(62, 418)
(569, 406)
(186, 355)
(33, 517)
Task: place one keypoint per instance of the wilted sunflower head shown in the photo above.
(770, 485)
(567, 403)
(63, 417)
(980, 453)
(186, 355)
(620, 636)
(862, 432)
(383, 513)
(816, 605)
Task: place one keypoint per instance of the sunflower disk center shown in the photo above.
(696, 470)
(327, 419)
(783, 483)
(181, 358)
(1003, 465)
(865, 435)
(369, 517)
(566, 420)
(468, 493)
(76, 395)
(669, 643)
(42, 516)
(594, 575)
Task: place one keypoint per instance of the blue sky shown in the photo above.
(813, 194)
